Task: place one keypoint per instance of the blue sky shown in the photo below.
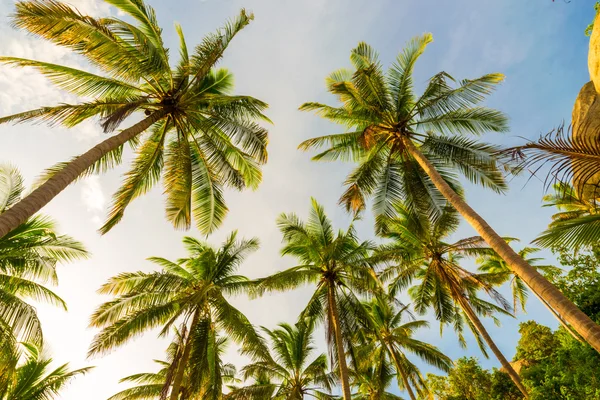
(283, 58)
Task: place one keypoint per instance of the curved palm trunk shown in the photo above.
(588, 330)
(335, 325)
(41, 196)
(402, 374)
(187, 349)
(558, 317)
(488, 339)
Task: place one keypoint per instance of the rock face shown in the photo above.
(586, 117)
(594, 54)
(586, 129)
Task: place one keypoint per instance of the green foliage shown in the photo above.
(469, 381)
(289, 371)
(590, 27)
(537, 342)
(28, 258)
(206, 138)
(188, 293)
(152, 385)
(556, 366)
(581, 281)
(35, 379)
(419, 253)
(381, 111)
(465, 381)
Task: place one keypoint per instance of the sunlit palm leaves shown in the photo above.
(28, 258)
(188, 293)
(372, 378)
(497, 272)
(419, 252)
(564, 156)
(336, 264)
(289, 371)
(577, 224)
(380, 111)
(35, 380)
(393, 337)
(151, 385)
(205, 140)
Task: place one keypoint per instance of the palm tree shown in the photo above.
(200, 137)
(33, 380)
(410, 149)
(189, 293)
(372, 377)
(577, 224)
(337, 265)
(393, 337)
(497, 272)
(288, 372)
(28, 258)
(419, 251)
(155, 385)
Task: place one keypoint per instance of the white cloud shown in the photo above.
(93, 197)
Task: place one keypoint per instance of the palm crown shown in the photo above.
(190, 291)
(393, 336)
(337, 265)
(577, 224)
(28, 258)
(420, 251)
(34, 380)
(382, 111)
(289, 370)
(152, 385)
(200, 138)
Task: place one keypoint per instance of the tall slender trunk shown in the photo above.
(488, 339)
(178, 379)
(41, 196)
(402, 373)
(335, 324)
(558, 317)
(588, 330)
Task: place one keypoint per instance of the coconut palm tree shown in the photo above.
(372, 376)
(393, 337)
(576, 225)
(200, 138)
(337, 265)
(28, 258)
(497, 272)
(419, 251)
(33, 379)
(155, 385)
(288, 373)
(411, 149)
(189, 293)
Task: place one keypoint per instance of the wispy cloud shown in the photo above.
(93, 197)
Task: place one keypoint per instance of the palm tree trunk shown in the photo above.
(558, 317)
(41, 196)
(187, 349)
(488, 339)
(402, 374)
(588, 330)
(334, 321)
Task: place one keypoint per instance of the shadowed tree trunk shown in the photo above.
(558, 317)
(588, 330)
(178, 379)
(335, 324)
(488, 339)
(402, 374)
(36, 200)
